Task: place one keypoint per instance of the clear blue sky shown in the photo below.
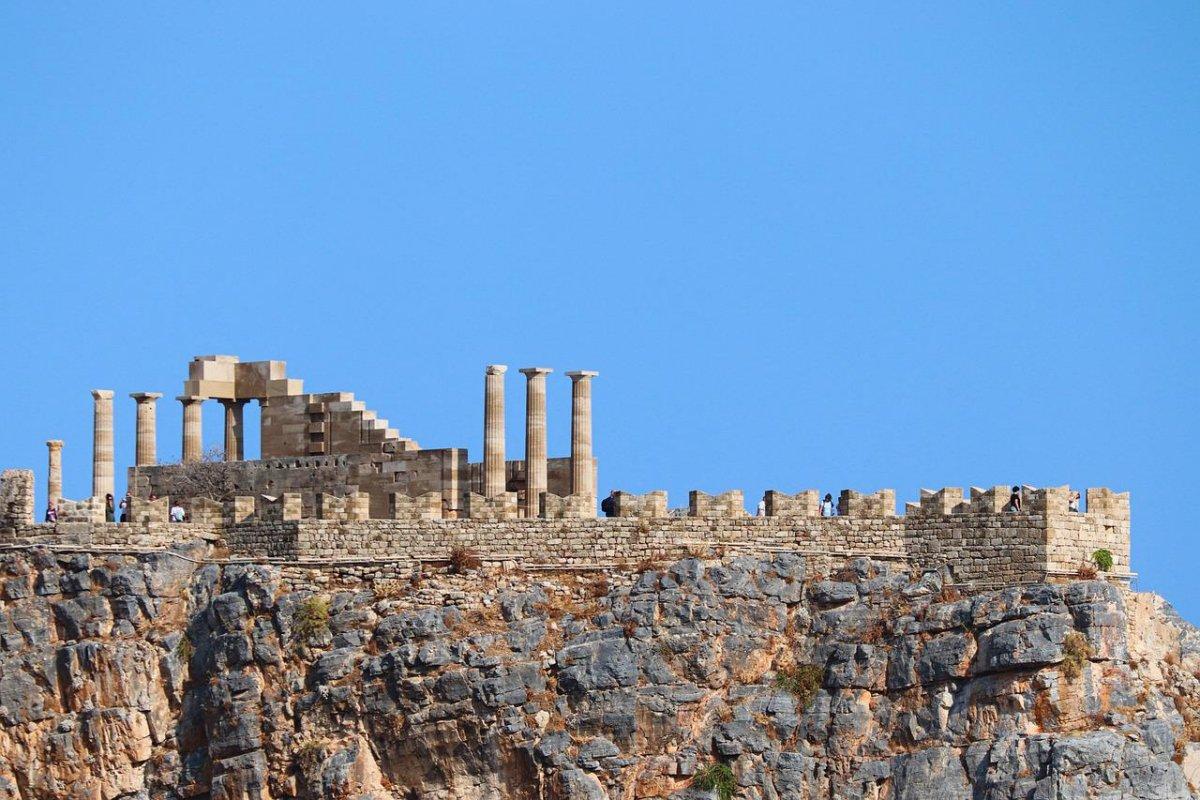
(921, 246)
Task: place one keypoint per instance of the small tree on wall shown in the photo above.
(209, 477)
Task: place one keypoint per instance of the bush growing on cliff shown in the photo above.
(803, 681)
(185, 649)
(1103, 559)
(1076, 652)
(717, 778)
(311, 618)
(463, 559)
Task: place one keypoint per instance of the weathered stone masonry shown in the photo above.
(337, 484)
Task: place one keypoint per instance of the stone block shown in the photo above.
(650, 505)
(726, 504)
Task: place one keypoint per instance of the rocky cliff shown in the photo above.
(168, 675)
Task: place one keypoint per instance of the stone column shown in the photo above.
(54, 476)
(146, 449)
(583, 472)
(235, 429)
(493, 431)
(102, 443)
(193, 441)
(535, 437)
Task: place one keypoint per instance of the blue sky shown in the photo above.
(886, 246)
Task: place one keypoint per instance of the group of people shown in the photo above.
(176, 514)
(1016, 502)
(829, 508)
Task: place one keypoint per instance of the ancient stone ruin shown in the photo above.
(336, 482)
(352, 615)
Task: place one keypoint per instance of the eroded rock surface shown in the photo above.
(164, 676)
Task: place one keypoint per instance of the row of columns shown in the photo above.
(146, 445)
(583, 473)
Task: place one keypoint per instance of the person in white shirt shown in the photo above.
(177, 513)
(828, 509)
(762, 508)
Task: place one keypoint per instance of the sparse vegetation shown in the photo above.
(311, 618)
(1086, 572)
(209, 477)
(463, 559)
(717, 778)
(1103, 559)
(802, 681)
(310, 753)
(1076, 652)
(184, 650)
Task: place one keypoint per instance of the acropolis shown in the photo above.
(338, 485)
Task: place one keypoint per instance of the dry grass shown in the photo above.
(1076, 652)
(802, 681)
(463, 560)
(1086, 572)
(599, 588)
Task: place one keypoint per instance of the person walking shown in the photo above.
(110, 510)
(762, 508)
(828, 509)
(609, 504)
(1014, 500)
(1073, 503)
(51, 512)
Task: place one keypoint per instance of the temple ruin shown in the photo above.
(338, 486)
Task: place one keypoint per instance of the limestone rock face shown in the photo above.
(170, 675)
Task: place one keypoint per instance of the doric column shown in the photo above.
(583, 473)
(54, 474)
(235, 429)
(146, 446)
(493, 431)
(193, 440)
(102, 443)
(535, 437)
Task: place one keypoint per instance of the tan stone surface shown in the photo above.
(145, 445)
(54, 471)
(493, 431)
(102, 442)
(535, 437)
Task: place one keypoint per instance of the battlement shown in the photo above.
(337, 480)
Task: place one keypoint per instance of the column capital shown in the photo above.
(496, 369)
(533, 372)
(233, 401)
(102, 394)
(581, 374)
(188, 399)
(54, 444)
(142, 397)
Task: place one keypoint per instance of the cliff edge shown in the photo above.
(177, 674)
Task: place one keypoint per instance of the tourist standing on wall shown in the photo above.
(609, 504)
(828, 509)
(762, 508)
(1014, 500)
(110, 511)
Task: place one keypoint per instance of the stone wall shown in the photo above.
(979, 549)
(16, 498)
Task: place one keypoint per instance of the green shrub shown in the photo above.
(1103, 559)
(311, 618)
(1076, 653)
(803, 681)
(717, 778)
(184, 650)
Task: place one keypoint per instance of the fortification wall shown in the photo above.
(16, 498)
